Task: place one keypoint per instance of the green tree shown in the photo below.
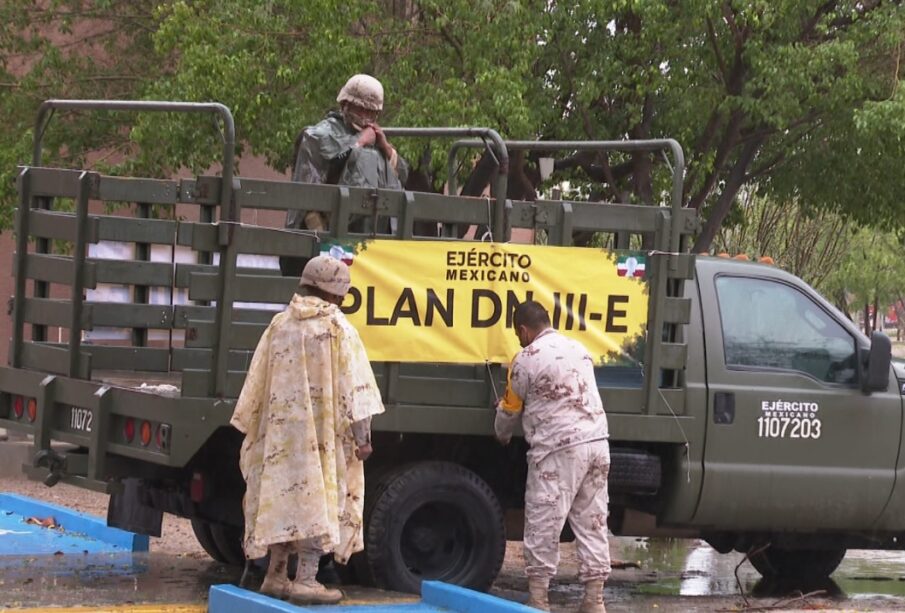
(870, 276)
(69, 49)
(799, 98)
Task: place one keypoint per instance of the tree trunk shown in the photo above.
(727, 197)
(867, 319)
(877, 317)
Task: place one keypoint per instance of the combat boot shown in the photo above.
(275, 585)
(312, 592)
(593, 597)
(537, 593)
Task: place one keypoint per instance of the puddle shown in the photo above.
(680, 567)
(104, 579)
(672, 575)
(142, 578)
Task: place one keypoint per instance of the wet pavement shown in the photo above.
(664, 576)
(678, 575)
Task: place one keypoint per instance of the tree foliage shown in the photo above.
(870, 275)
(797, 99)
(69, 49)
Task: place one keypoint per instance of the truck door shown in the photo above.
(792, 443)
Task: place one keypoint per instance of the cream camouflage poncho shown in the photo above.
(309, 380)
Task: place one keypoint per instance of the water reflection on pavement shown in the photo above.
(105, 579)
(688, 575)
(666, 575)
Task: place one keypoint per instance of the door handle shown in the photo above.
(723, 407)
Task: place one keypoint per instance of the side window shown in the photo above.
(768, 324)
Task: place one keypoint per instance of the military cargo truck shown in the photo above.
(748, 411)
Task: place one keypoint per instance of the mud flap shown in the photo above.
(126, 510)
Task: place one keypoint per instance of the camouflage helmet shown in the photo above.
(363, 90)
(327, 274)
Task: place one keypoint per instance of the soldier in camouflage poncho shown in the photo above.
(305, 410)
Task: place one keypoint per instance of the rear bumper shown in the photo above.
(90, 415)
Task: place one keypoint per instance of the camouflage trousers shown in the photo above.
(568, 484)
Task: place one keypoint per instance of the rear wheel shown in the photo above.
(228, 540)
(434, 520)
(797, 564)
(202, 530)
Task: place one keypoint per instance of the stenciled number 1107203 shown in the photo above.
(788, 427)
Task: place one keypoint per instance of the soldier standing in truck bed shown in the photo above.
(347, 147)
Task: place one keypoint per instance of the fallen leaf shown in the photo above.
(45, 522)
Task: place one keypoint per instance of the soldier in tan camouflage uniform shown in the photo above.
(553, 391)
(305, 410)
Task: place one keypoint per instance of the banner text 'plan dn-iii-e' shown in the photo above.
(449, 302)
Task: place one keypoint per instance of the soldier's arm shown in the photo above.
(510, 407)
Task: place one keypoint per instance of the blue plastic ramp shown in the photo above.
(435, 597)
(77, 532)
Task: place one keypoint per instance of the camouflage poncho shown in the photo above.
(309, 380)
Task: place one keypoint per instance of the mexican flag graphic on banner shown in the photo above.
(344, 253)
(630, 266)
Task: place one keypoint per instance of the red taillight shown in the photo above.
(129, 430)
(32, 409)
(196, 489)
(145, 433)
(19, 407)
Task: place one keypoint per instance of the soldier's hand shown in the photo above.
(382, 143)
(363, 452)
(367, 137)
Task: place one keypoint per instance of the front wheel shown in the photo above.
(434, 520)
(797, 564)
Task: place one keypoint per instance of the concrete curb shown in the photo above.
(436, 597)
(73, 521)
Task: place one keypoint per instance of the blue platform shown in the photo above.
(435, 597)
(77, 532)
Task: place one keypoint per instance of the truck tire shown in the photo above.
(228, 540)
(797, 564)
(357, 571)
(634, 471)
(202, 530)
(434, 520)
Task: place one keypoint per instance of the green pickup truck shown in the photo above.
(751, 414)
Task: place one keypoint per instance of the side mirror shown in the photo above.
(875, 373)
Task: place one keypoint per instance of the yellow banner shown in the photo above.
(453, 301)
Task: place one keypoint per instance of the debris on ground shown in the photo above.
(45, 522)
